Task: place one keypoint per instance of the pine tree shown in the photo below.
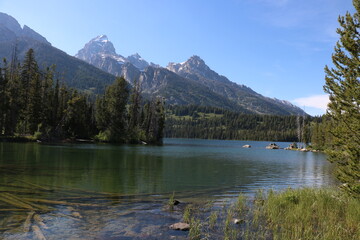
(55, 116)
(111, 112)
(342, 83)
(12, 97)
(3, 98)
(160, 115)
(135, 132)
(101, 115)
(76, 116)
(116, 97)
(30, 90)
(48, 93)
(134, 108)
(35, 104)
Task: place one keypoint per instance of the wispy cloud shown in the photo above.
(315, 101)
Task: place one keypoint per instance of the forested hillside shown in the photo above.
(217, 123)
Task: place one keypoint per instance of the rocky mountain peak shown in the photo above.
(101, 38)
(193, 65)
(101, 44)
(28, 32)
(136, 55)
(101, 53)
(196, 69)
(10, 23)
(195, 61)
(10, 29)
(196, 64)
(98, 49)
(137, 61)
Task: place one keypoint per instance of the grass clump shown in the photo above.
(188, 214)
(213, 219)
(241, 204)
(312, 214)
(171, 201)
(230, 232)
(291, 214)
(195, 229)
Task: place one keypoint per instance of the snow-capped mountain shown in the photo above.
(101, 53)
(189, 82)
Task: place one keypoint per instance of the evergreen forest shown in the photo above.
(216, 123)
(36, 106)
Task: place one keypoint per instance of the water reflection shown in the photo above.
(121, 191)
(180, 165)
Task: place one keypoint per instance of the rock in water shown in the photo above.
(272, 146)
(238, 221)
(180, 226)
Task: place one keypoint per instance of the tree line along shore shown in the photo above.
(35, 106)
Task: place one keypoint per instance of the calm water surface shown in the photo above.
(130, 184)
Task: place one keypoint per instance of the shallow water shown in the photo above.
(127, 187)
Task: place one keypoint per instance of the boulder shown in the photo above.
(272, 146)
(304, 150)
(238, 221)
(180, 226)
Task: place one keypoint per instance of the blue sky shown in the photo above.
(276, 47)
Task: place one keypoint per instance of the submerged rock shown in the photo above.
(180, 226)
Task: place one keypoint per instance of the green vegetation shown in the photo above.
(213, 219)
(195, 229)
(343, 85)
(339, 131)
(291, 214)
(188, 213)
(216, 123)
(321, 137)
(35, 106)
(311, 214)
(171, 201)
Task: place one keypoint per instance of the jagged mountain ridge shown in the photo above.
(173, 81)
(196, 69)
(11, 30)
(70, 70)
(101, 53)
(157, 81)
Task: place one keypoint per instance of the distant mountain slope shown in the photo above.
(196, 69)
(190, 82)
(74, 72)
(157, 81)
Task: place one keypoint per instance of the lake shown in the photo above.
(103, 191)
